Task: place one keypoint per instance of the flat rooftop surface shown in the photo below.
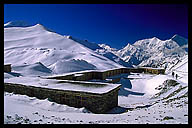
(81, 86)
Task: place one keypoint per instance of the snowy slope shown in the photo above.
(146, 98)
(36, 69)
(180, 68)
(28, 45)
(143, 98)
(136, 105)
(110, 55)
(16, 24)
(108, 48)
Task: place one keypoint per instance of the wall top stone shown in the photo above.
(79, 86)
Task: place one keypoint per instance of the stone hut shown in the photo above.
(98, 100)
(7, 68)
(102, 75)
(96, 97)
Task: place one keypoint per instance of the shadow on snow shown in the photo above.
(14, 74)
(126, 84)
(119, 109)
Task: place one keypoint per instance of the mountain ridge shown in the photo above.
(146, 52)
(151, 51)
(28, 45)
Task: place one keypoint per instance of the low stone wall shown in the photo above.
(66, 77)
(105, 74)
(153, 70)
(7, 68)
(96, 103)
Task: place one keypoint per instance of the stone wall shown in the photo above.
(7, 68)
(96, 103)
(152, 70)
(105, 74)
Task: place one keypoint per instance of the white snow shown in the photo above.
(28, 45)
(151, 51)
(132, 108)
(35, 51)
(53, 84)
(16, 24)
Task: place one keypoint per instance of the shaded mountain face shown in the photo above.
(180, 40)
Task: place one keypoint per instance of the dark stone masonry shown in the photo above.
(7, 68)
(102, 75)
(95, 102)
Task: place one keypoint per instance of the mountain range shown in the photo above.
(152, 52)
(26, 45)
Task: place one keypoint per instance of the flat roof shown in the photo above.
(150, 68)
(70, 73)
(80, 86)
(7, 64)
(81, 72)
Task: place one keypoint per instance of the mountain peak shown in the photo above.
(38, 24)
(16, 24)
(68, 36)
(128, 46)
(25, 24)
(155, 38)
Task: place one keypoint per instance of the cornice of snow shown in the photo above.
(16, 24)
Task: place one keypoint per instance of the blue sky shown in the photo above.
(113, 24)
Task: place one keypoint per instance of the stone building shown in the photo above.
(73, 89)
(7, 68)
(99, 101)
(102, 75)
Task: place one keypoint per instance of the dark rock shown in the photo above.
(168, 118)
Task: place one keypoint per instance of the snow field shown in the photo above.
(35, 51)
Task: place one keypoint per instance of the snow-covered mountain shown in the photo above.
(152, 51)
(16, 24)
(25, 44)
(142, 98)
(108, 48)
(32, 44)
(110, 53)
(180, 40)
(100, 49)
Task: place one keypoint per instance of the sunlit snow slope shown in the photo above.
(28, 45)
